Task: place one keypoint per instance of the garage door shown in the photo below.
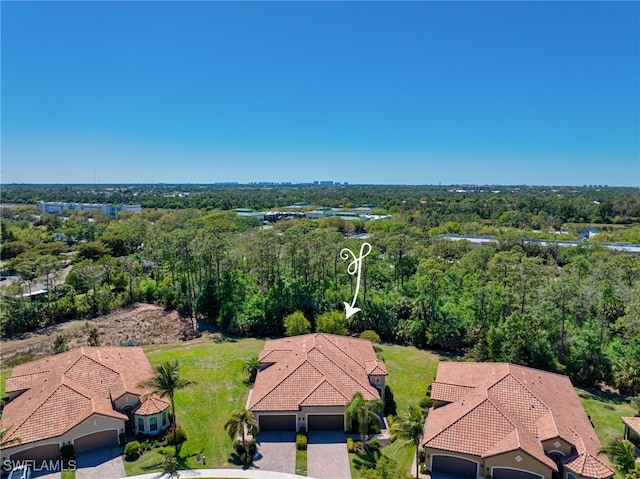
(278, 423)
(505, 473)
(454, 465)
(96, 441)
(325, 422)
(48, 452)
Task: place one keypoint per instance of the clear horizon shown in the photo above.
(380, 93)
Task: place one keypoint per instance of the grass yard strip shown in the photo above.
(396, 451)
(605, 410)
(411, 370)
(203, 408)
(301, 462)
(68, 474)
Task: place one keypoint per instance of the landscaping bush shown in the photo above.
(252, 446)
(132, 450)
(374, 444)
(177, 437)
(370, 335)
(67, 453)
(301, 442)
(390, 406)
(350, 444)
(238, 447)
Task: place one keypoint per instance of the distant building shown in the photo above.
(249, 213)
(55, 207)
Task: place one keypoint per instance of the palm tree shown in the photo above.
(164, 383)
(238, 422)
(366, 413)
(409, 427)
(251, 366)
(4, 442)
(622, 454)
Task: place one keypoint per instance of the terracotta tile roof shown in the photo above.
(63, 390)
(587, 465)
(519, 406)
(152, 405)
(314, 370)
(632, 422)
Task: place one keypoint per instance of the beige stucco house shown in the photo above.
(509, 422)
(85, 397)
(306, 381)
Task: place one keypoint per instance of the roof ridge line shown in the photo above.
(304, 360)
(367, 386)
(322, 381)
(83, 355)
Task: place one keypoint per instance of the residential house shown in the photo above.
(509, 422)
(306, 381)
(85, 397)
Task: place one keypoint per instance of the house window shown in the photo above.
(153, 424)
(140, 424)
(164, 418)
(570, 476)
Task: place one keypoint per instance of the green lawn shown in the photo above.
(202, 409)
(411, 370)
(605, 410)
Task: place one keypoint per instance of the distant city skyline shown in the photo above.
(496, 93)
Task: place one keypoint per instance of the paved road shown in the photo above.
(327, 456)
(103, 463)
(276, 452)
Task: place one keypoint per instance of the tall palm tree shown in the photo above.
(365, 412)
(4, 441)
(164, 383)
(409, 427)
(238, 422)
(622, 454)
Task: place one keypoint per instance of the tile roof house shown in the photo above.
(85, 397)
(306, 381)
(509, 422)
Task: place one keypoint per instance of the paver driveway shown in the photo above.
(327, 456)
(103, 463)
(276, 452)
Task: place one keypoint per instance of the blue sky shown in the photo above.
(541, 93)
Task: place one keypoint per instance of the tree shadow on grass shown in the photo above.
(602, 396)
(365, 461)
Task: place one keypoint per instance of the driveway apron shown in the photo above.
(103, 463)
(327, 456)
(276, 452)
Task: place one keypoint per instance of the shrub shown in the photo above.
(370, 335)
(252, 446)
(132, 450)
(350, 444)
(238, 447)
(177, 437)
(374, 443)
(301, 442)
(390, 406)
(423, 468)
(67, 453)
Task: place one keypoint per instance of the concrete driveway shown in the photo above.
(103, 463)
(276, 452)
(327, 455)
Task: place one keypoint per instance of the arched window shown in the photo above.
(570, 476)
(153, 424)
(141, 425)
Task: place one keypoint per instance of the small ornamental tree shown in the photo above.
(296, 324)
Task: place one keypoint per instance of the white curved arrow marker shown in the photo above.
(354, 267)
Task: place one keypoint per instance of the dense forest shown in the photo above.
(574, 310)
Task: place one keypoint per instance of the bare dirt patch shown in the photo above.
(137, 325)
